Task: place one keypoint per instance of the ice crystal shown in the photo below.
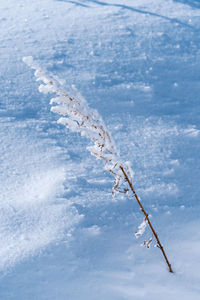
(78, 117)
(141, 228)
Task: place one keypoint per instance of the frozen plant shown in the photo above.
(141, 228)
(77, 116)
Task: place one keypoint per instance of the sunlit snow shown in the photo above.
(62, 234)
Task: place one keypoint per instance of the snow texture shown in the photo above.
(62, 234)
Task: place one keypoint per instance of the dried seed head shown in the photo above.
(78, 117)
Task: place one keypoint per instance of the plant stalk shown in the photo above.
(147, 218)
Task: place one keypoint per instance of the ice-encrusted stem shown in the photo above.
(147, 218)
(78, 117)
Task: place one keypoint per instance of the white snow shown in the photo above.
(137, 64)
(32, 213)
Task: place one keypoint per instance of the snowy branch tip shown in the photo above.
(77, 116)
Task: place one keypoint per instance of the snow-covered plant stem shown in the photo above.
(77, 116)
(159, 245)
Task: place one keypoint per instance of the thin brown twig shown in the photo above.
(147, 218)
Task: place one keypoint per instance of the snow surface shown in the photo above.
(62, 234)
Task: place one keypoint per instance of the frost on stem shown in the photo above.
(78, 117)
(141, 228)
(147, 243)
